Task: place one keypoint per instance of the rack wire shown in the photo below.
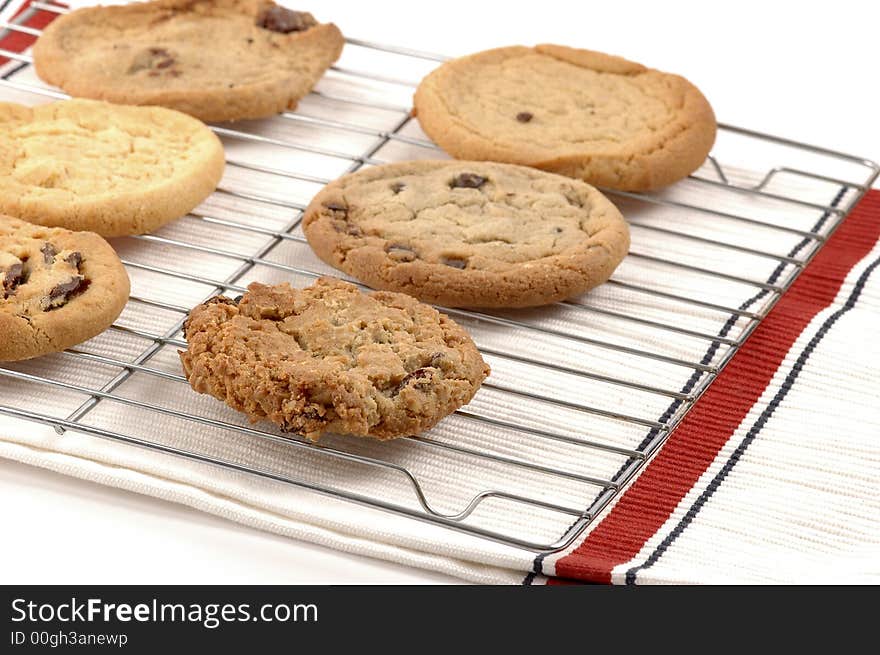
(574, 451)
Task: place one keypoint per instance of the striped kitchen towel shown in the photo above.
(771, 477)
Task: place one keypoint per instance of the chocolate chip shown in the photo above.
(468, 181)
(336, 207)
(454, 262)
(250, 40)
(418, 374)
(400, 253)
(313, 413)
(63, 292)
(524, 116)
(12, 277)
(397, 187)
(354, 231)
(153, 60)
(238, 299)
(62, 289)
(75, 259)
(220, 300)
(279, 19)
(49, 253)
(558, 230)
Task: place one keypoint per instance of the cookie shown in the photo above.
(218, 60)
(588, 115)
(331, 358)
(91, 166)
(468, 234)
(57, 288)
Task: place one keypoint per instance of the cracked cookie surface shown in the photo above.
(471, 234)
(91, 166)
(330, 358)
(218, 60)
(588, 115)
(57, 288)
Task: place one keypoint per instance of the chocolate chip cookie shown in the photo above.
(57, 288)
(331, 358)
(588, 115)
(218, 60)
(110, 169)
(471, 234)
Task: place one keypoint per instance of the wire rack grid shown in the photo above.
(576, 404)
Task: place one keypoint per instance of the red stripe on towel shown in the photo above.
(18, 41)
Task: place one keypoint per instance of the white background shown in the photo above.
(801, 70)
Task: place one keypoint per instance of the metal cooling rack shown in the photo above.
(367, 119)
